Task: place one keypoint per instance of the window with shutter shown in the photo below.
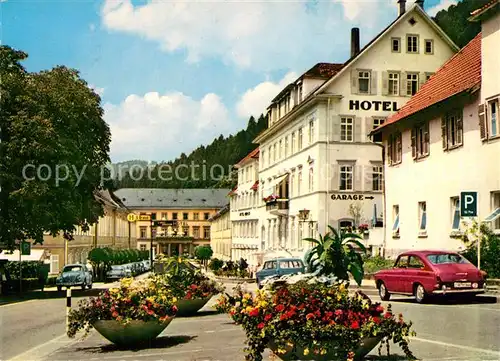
(373, 83)
(399, 147)
(444, 132)
(364, 80)
(493, 118)
(354, 81)
(385, 83)
(393, 83)
(403, 83)
(452, 129)
(420, 141)
(390, 147)
(358, 136)
(414, 143)
(482, 122)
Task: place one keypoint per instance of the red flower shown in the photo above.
(280, 307)
(194, 287)
(388, 315)
(268, 317)
(114, 314)
(310, 315)
(379, 309)
(338, 312)
(174, 308)
(254, 312)
(377, 320)
(355, 325)
(261, 325)
(284, 316)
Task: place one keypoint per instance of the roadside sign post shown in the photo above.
(468, 208)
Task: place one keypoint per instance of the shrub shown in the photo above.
(490, 248)
(215, 264)
(377, 263)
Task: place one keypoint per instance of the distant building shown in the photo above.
(221, 234)
(112, 230)
(246, 211)
(186, 213)
(445, 141)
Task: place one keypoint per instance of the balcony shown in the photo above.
(278, 207)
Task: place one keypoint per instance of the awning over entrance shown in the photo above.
(493, 216)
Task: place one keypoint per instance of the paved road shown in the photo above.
(445, 331)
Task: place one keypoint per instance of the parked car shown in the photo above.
(74, 275)
(118, 272)
(428, 273)
(147, 265)
(279, 267)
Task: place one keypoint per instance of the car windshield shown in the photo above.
(446, 258)
(72, 269)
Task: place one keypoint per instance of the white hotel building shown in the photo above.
(444, 141)
(316, 159)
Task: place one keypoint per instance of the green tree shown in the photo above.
(489, 246)
(454, 21)
(337, 254)
(203, 253)
(49, 120)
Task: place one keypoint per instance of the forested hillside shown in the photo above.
(454, 21)
(205, 167)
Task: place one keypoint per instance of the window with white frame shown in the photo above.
(311, 132)
(275, 151)
(292, 151)
(494, 217)
(54, 263)
(428, 76)
(412, 44)
(378, 122)
(393, 87)
(452, 130)
(286, 146)
(281, 150)
(411, 83)
(299, 181)
(311, 179)
(346, 129)
(420, 141)
(422, 217)
(429, 46)
(299, 91)
(299, 147)
(394, 148)
(263, 158)
(292, 183)
(143, 247)
(395, 217)
(270, 151)
(455, 214)
(494, 122)
(377, 173)
(396, 45)
(364, 82)
(346, 177)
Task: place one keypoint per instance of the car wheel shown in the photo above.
(90, 285)
(419, 293)
(84, 286)
(383, 293)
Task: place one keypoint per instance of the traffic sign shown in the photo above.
(25, 248)
(131, 217)
(468, 204)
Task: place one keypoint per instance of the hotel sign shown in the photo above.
(386, 106)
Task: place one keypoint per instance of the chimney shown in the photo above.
(420, 3)
(402, 7)
(354, 42)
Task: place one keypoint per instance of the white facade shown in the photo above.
(423, 192)
(245, 207)
(317, 156)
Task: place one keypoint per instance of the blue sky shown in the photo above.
(174, 75)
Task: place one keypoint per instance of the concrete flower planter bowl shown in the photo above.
(131, 334)
(190, 307)
(297, 352)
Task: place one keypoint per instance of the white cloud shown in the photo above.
(255, 101)
(160, 127)
(257, 34)
(443, 5)
(98, 90)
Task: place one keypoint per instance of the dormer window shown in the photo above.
(299, 92)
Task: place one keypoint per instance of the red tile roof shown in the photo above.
(253, 154)
(323, 70)
(461, 73)
(485, 7)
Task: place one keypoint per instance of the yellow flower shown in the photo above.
(247, 296)
(306, 351)
(249, 309)
(262, 304)
(322, 352)
(114, 290)
(342, 287)
(173, 299)
(281, 350)
(339, 297)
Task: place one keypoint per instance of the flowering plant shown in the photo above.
(315, 317)
(270, 198)
(187, 282)
(363, 227)
(144, 300)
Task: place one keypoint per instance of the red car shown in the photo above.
(426, 273)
